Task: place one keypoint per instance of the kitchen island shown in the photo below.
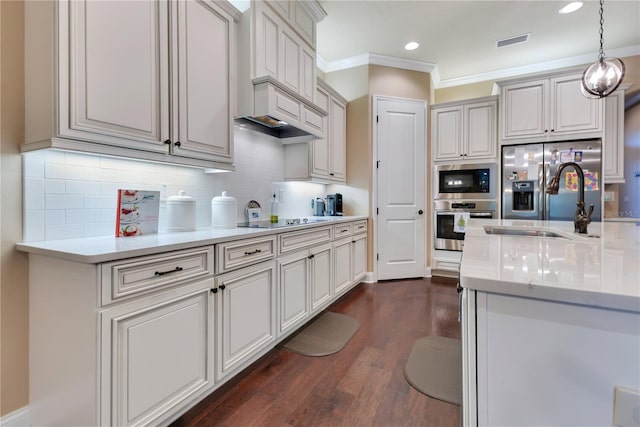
(551, 322)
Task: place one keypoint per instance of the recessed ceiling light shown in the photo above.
(571, 7)
(412, 45)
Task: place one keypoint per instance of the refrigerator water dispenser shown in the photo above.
(523, 196)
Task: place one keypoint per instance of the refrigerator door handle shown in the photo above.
(543, 191)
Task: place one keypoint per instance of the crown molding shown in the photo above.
(374, 59)
(438, 83)
(315, 9)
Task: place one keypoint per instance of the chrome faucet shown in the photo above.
(581, 219)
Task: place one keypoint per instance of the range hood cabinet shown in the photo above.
(282, 114)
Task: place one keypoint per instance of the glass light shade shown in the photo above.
(602, 77)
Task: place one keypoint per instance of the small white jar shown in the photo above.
(181, 212)
(224, 211)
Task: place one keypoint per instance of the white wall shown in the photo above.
(72, 195)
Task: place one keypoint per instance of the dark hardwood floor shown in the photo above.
(361, 385)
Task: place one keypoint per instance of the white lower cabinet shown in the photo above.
(156, 354)
(350, 258)
(142, 339)
(245, 315)
(293, 290)
(320, 272)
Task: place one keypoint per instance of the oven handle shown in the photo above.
(481, 215)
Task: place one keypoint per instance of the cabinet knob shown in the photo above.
(177, 144)
(553, 130)
(167, 141)
(311, 256)
(222, 287)
(331, 173)
(420, 212)
(546, 130)
(214, 290)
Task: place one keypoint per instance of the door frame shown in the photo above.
(374, 197)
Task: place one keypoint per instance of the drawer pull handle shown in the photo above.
(257, 251)
(360, 227)
(312, 256)
(162, 273)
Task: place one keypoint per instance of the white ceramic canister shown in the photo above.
(181, 212)
(224, 211)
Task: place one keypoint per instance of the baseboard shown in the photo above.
(19, 418)
(369, 278)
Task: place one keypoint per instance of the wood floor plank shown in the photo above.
(361, 385)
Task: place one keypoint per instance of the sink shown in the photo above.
(521, 231)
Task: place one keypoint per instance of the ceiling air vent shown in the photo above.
(513, 40)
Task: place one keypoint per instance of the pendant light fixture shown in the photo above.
(605, 75)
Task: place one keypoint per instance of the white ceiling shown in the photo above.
(458, 38)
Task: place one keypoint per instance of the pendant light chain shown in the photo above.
(601, 54)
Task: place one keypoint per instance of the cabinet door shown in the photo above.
(245, 315)
(524, 110)
(293, 291)
(359, 256)
(118, 91)
(156, 355)
(342, 265)
(613, 140)
(446, 134)
(320, 147)
(268, 27)
(571, 111)
(205, 45)
(321, 267)
(479, 132)
(337, 140)
(302, 21)
(291, 49)
(307, 73)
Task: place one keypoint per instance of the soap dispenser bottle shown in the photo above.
(274, 209)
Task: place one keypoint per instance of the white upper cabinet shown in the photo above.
(202, 118)
(281, 47)
(552, 108)
(464, 130)
(324, 159)
(613, 140)
(158, 88)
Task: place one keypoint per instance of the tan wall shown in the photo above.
(14, 289)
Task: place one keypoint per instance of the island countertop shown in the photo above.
(94, 250)
(599, 271)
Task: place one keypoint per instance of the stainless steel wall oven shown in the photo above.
(444, 219)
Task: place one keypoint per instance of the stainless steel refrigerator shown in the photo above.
(528, 168)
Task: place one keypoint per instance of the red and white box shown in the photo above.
(138, 212)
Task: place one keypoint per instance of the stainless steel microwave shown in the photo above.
(465, 181)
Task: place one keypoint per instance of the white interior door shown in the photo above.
(400, 137)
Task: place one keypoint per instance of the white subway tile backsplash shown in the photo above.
(33, 164)
(100, 202)
(54, 186)
(55, 201)
(69, 195)
(67, 231)
(54, 217)
(62, 171)
(33, 225)
(82, 216)
(33, 197)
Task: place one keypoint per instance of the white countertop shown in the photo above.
(600, 272)
(102, 249)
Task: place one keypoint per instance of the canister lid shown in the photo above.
(181, 198)
(224, 199)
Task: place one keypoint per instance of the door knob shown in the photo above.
(420, 212)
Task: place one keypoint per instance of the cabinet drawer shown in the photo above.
(297, 240)
(359, 227)
(238, 254)
(342, 230)
(126, 278)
